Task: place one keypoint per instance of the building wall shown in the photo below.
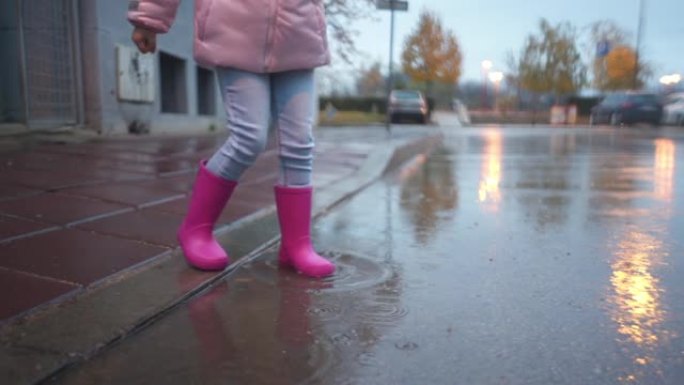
(90, 37)
(40, 87)
(104, 26)
(11, 99)
(101, 25)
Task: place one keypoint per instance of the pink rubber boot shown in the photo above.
(196, 235)
(294, 216)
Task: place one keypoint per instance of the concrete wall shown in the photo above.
(104, 25)
(11, 99)
(90, 38)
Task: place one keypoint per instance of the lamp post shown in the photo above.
(486, 66)
(392, 6)
(637, 64)
(496, 77)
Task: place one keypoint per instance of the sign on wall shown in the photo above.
(135, 75)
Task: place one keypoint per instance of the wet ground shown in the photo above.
(509, 256)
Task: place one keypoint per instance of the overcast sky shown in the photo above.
(490, 29)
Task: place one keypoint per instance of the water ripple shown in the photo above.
(354, 272)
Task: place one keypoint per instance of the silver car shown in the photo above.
(673, 111)
(408, 104)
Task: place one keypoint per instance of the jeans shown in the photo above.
(253, 101)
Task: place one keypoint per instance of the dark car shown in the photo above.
(409, 104)
(627, 108)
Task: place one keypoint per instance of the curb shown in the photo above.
(35, 348)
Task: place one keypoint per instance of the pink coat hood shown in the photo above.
(252, 35)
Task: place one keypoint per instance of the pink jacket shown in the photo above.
(252, 35)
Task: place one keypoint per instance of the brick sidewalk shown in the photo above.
(74, 214)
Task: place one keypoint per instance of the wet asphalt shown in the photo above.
(512, 255)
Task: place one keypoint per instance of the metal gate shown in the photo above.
(49, 47)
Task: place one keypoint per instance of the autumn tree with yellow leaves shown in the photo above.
(615, 70)
(620, 66)
(431, 53)
(619, 69)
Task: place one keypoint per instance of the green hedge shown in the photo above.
(349, 103)
(360, 103)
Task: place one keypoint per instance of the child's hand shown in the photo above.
(145, 39)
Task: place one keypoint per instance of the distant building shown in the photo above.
(72, 63)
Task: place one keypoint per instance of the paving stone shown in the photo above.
(149, 226)
(20, 292)
(58, 208)
(45, 179)
(9, 190)
(74, 256)
(131, 193)
(12, 227)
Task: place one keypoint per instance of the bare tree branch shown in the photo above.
(341, 14)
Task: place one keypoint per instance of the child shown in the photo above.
(264, 53)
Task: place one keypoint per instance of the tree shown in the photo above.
(371, 82)
(615, 70)
(606, 31)
(619, 65)
(603, 32)
(431, 54)
(340, 15)
(550, 62)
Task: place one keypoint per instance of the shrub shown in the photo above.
(361, 103)
(355, 103)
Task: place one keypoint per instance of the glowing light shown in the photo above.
(488, 190)
(669, 80)
(487, 65)
(496, 77)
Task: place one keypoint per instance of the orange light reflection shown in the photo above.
(638, 310)
(488, 190)
(664, 167)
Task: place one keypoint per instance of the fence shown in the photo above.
(49, 47)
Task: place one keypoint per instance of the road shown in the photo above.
(517, 255)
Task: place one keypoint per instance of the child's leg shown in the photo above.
(293, 105)
(247, 101)
(293, 112)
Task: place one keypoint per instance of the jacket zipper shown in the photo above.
(271, 21)
(321, 23)
(203, 19)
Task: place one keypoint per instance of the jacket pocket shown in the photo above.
(203, 13)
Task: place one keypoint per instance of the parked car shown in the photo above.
(627, 108)
(408, 104)
(673, 111)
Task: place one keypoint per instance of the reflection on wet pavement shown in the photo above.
(638, 309)
(664, 168)
(491, 170)
(518, 256)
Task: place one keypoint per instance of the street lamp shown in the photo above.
(496, 77)
(670, 80)
(486, 66)
(637, 64)
(392, 6)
